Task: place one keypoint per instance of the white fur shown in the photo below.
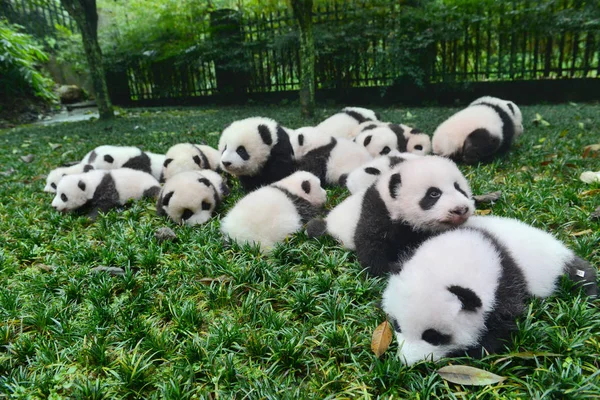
(156, 163)
(450, 135)
(378, 141)
(244, 133)
(540, 255)
(362, 126)
(57, 174)
(360, 180)
(130, 184)
(182, 157)
(417, 176)
(310, 137)
(416, 143)
(191, 194)
(517, 117)
(342, 124)
(418, 297)
(267, 216)
(120, 155)
(342, 220)
(345, 157)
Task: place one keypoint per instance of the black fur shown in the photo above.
(152, 192)
(372, 171)
(457, 187)
(367, 140)
(316, 227)
(315, 161)
(395, 161)
(108, 158)
(306, 187)
(577, 267)
(141, 163)
(429, 200)
(511, 108)
(92, 157)
(481, 146)
(379, 240)
(305, 209)
(279, 165)
(265, 134)
(435, 337)
(358, 117)
(369, 127)
(88, 168)
(343, 179)
(205, 164)
(469, 299)
(395, 182)
(399, 131)
(105, 197)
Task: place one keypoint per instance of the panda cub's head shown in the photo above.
(439, 300)
(417, 142)
(190, 197)
(509, 107)
(245, 145)
(183, 157)
(379, 141)
(304, 185)
(57, 174)
(306, 139)
(429, 193)
(72, 192)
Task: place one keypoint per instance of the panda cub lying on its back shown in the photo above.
(269, 214)
(329, 158)
(191, 197)
(416, 199)
(258, 151)
(461, 291)
(100, 190)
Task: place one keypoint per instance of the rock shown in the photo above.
(115, 271)
(590, 176)
(487, 197)
(595, 215)
(165, 234)
(27, 159)
(70, 94)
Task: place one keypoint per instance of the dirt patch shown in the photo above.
(21, 110)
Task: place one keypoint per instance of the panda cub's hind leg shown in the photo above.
(583, 275)
(480, 145)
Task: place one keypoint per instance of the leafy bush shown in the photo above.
(20, 57)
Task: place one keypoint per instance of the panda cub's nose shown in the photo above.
(460, 210)
(226, 163)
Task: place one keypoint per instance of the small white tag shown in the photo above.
(580, 273)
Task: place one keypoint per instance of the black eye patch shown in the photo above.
(369, 127)
(301, 139)
(197, 160)
(457, 187)
(431, 197)
(395, 325)
(205, 181)
(372, 171)
(385, 151)
(435, 337)
(109, 159)
(306, 187)
(167, 198)
(187, 214)
(367, 140)
(167, 162)
(53, 185)
(81, 185)
(394, 183)
(205, 205)
(64, 197)
(418, 147)
(243, 153)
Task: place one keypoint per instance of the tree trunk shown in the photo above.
(86, 16)
(303, 14)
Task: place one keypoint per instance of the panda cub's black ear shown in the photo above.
(372, 171)
(88, 168)
(469, 299)
(301, 139)
(197, 160)
(265, 134)
(367, 140)
(306, 187)
(109, 159)
(394, 184)
(81, 185)
(167, 199)
(167, 162)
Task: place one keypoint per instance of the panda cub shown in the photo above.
(113, 157)
(100, 190)
(58, 173)
(380, 140)
(189, 157)
(329, 158)
(407, 205)
(363, 177)
(479, 132)
(461, 291)
(258, 151)
(191, 197)
(344, 123)
(270, 214)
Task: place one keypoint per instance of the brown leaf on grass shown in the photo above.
(581, 233)
(382, 337)
(218, 279)
(589, 192)
(44, 267)
(487, 197)
(591, 151)
(483, 212)
(465, 375)
(27, 159)
(544, 163)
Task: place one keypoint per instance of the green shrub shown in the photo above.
(20, 57)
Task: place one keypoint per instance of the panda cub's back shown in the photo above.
(131, 183)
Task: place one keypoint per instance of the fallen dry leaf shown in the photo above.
(465, 375)
(581, 233)
(589, 177)
(591, 151)
(44, 267)
(483, 212)
(27, 159)
(382, 337)
(487, 197)
(219, 279)
(116, 271)
(589, 192)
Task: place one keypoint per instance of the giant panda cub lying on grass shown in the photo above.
(269, 214)
(416, 199)
(345, 123)
(486, 128)
(461, 291)
(382, 138)
(100, 190)
(189, 157)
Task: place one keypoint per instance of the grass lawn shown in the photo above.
(197, 319)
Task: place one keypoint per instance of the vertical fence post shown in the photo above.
(226, 33)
